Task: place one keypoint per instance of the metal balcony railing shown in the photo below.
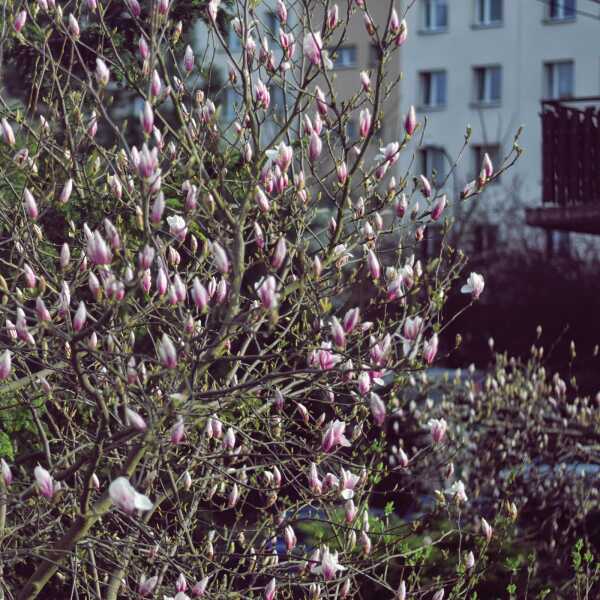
(571, 151)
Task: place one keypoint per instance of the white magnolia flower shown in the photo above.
(474, 285)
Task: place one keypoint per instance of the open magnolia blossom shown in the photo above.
(329, 566)
(474, 286)
(125, 497)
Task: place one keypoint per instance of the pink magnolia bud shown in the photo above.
(7, 475)
(333, 17)
(181, 583)
(321, 102)
(403, 34)
(337, 333)
(80, 317)
(167, 353)
(342, 173)
(134, 7)
(261, 200)
(282, 12)
(289, 537)
(438, 207)
(425, 186)
(369, 25)
(199, 295)
(229, 439)
(146, 257)
(200, 588)
(378, 409)
(350, 510)
(162, 7)
(7, 132)
(73, 26)
(373, 265)
(102, 73)
(146, 586)
(430, 348)
(5, 365)
(162, 282)
(266, 291)
(364, 383)
(92, 5)
(65, 256)
(94, 286)
(147, 118)
(315, 147)
(410, 122)
(259, 236)
(178, 432)
(351, 319)
(135, 420)
(438, 428)
(188, 59)
(143, 48)
(486, 529)
(263, 96)
(98, 251)
(220, 257)
(487, 168)
(270, 590)
(365, 122)
(158, 207)
(279, 253)
(44, 482)
(400, 206)
(30, 205)
(20, 20)
(365, 81)
(234, 496)
(29, 275)
(155, 84)
(439, 595)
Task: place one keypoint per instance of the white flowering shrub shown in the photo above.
(198, 378)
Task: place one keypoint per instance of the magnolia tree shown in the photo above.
(187, 377)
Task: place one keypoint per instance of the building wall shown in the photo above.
(521, 45)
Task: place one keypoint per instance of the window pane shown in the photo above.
(565, 80)
(440, 88)
(273, 24)
(437, 163)
(480, 84)
(495, 83)
(569, 8)
(496, 11)
(441, 21)
(426, 79)
(428, 23)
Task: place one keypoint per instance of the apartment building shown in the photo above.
(487, 64)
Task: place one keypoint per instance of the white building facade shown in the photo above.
(488, 64)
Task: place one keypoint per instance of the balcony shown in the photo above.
(570, 166)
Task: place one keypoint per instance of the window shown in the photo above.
(345, 57)
(433, 89)
(375, 55)
(560, 80)
(485, 238)
(488, 85)
(479, 151)
(558, 243)
(277, 99)
(434, 238)
(489, 12)
(435, 15)
(560, 10)
(433, 161)
(273, 24)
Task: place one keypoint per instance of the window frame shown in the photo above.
(551, 79)
(563, 14)
(339, 53)
(433, 89)
(483, 80)
(483, 12)
(430, 7)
